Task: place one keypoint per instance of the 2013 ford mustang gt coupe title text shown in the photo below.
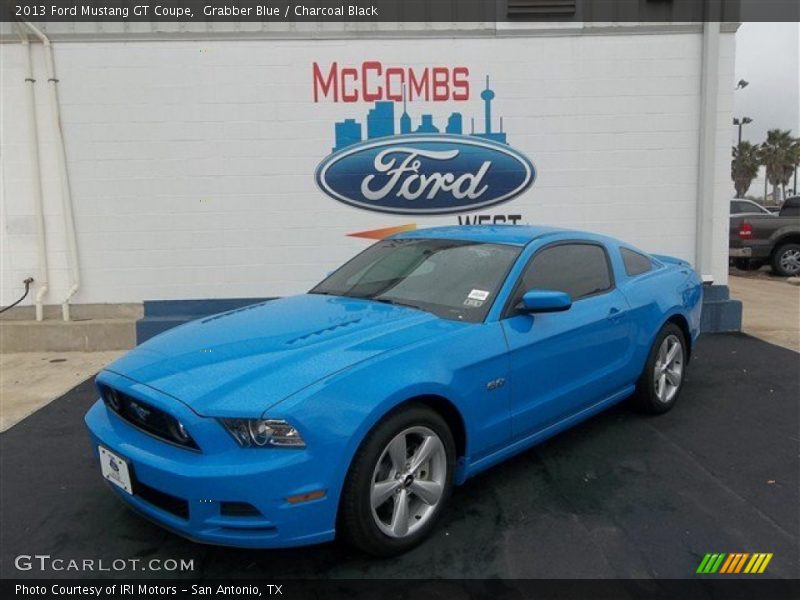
(354, 409)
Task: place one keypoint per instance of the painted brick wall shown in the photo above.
(192, 162)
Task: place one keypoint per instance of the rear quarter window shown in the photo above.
(635, 262)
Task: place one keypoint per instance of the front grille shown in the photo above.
(148, 418)
(171, 504)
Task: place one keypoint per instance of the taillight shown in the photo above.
(745, 231)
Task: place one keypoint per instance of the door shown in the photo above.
(564, 362)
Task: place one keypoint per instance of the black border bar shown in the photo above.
(373, 11)
(712, 587)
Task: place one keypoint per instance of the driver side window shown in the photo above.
(579, 269)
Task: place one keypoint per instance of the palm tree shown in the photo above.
(792, 162)
(778, 154)
(744, 166)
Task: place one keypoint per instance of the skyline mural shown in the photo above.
(380, 122)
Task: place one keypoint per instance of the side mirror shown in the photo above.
(543, 301)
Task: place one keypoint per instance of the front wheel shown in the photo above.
(399, 482)
(786, 260)
(661, 381)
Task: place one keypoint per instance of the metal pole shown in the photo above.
(739, 151)
(709, 234)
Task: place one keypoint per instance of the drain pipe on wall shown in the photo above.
(66, 194)
(38, 176)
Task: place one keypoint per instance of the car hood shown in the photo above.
(241, 362)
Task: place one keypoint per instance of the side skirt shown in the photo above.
(541, 435)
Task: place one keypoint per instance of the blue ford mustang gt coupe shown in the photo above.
(355, 408)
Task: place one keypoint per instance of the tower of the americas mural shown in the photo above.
(405, 120)
(380, 123)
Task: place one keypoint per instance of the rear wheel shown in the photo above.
(786, 260)
(399, 482)
(661, 382)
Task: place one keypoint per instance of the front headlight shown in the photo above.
(257, 433)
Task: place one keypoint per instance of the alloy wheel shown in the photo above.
(668, 371)
(408, 481)
(790, 261)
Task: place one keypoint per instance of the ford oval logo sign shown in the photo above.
(425, 174)
(420, 163)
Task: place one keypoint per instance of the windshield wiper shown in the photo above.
(338, 294)
(395, 302)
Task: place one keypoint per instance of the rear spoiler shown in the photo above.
(671, 260)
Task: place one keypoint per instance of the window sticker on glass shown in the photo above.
(481, 295)
(473, 303)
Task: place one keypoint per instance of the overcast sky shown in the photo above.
(768, 56)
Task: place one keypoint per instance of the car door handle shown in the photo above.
(614, 314)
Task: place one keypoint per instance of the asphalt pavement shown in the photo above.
(620, 496)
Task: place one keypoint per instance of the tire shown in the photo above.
(786, 260)
(377, 527)
(656, 394)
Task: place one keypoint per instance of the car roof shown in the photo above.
(518, 235)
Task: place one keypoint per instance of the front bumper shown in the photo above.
(185, 491)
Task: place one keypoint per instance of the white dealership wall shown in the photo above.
(192, 162)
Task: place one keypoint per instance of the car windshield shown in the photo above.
(453, 279)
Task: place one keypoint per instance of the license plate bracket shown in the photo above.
(116, 469)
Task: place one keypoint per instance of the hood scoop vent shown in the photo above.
(315, 336)
(235, 311)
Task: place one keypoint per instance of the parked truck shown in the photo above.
(756, 240)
